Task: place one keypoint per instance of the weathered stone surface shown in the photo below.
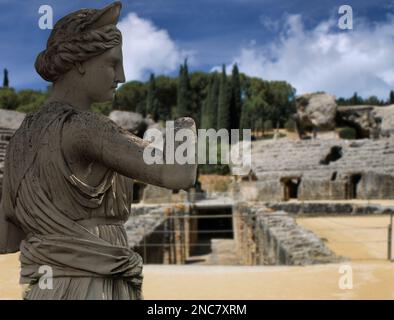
(153, 194)
(316, 110)
(386, 114)
(159, 232)
(5, 136)
(223, 252)
(131, 121)
(319, 111)
(144, 221)
(362, 118)
(135, 122)
(321, 169)
(10, 119)
(276, 238)
(326, 209)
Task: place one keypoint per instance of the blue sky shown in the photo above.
(292, 40)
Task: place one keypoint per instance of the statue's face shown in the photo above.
(102, 74)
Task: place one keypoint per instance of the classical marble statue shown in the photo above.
(68, 171)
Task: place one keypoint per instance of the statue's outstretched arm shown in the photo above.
(115, 148)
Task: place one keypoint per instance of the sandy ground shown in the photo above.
(382, 202)
(358, 238)
(361, 238)
(371, 280)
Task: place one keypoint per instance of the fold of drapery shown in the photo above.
(44, 200)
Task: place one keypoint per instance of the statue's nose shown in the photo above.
(120, 77)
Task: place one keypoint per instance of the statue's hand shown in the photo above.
(185, 123)
(186, 173)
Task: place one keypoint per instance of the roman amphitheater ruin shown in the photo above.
(255, 222)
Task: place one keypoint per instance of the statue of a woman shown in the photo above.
(67, 171)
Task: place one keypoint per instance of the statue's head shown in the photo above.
(85, 47)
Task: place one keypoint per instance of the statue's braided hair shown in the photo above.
(73, 40)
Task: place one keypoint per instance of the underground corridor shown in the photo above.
(208, 224)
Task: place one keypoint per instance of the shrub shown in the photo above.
(290, 125)
(268, 125)
(104, 108)
(347, 133)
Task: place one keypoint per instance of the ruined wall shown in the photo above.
(270, 190)
(266, 237)
(314, 189)
(375, 186)
(327, 209)
(159, 233)
(326, 169)
(5, 136)
(154, 194)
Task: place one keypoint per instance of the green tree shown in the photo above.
(373, 100)
(8, 99)
(290, 125)
(355, 100)
(166, 89)
(152, 103)
(268, 125)
(30, 100)
(199, 90)
(104, 108)
(210, 106)
(280, 96)
(6, 81)
(391, 97)
(183, 107)
(246, 115)
(235, 98)
(131, 96)
(205, 112)
(224, 102)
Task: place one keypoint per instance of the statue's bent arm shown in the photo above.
(104, 142)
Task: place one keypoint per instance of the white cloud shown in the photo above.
(327, 59)
(147, 49)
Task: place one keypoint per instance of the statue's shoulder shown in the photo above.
(88, 130)
(93, 121)
(36, 123)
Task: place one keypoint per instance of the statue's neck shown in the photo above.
(70, 94)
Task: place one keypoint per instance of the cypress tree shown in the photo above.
(235, 100)
(245, 121)
(183, 107)
(115, 104)
(214, 101)
(152, 103)
(224, 102)
(210, 106)
(205, 107)
(5, 79)
(391, 97)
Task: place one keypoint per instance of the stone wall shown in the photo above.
(159, 233)
(5, 136)
(266, 237)
(324, 169)
(314, 189)
(269, 190)
(153, 194)
(327, 209)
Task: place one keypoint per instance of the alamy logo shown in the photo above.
(46, 280)
(346, 280)
(345, 21)
(46, 20)
(180, 147)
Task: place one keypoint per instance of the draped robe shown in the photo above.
(58, 221)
